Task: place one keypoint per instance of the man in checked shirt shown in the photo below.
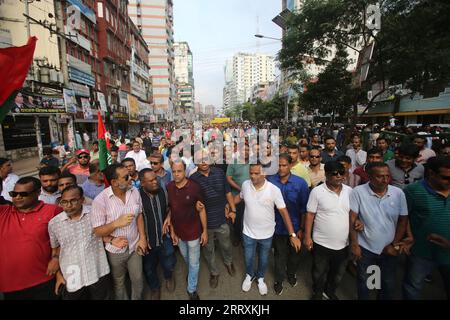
(117, 215)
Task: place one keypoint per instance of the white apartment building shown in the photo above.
(155, 20)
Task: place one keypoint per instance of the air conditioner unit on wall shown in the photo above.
(118, 83)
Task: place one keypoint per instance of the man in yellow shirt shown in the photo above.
(298, 168)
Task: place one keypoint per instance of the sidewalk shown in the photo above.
(26, 167)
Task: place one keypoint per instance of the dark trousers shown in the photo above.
(328, 268)
(43, 291)
(285, 257)
(101, 290)
(164, 254)
(388, 270)
(238, 222)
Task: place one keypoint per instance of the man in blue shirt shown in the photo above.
(94, 185)
(295, 193)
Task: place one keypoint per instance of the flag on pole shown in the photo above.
(14, 65)
(103, 144)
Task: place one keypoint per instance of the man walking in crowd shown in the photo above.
(383, 211)
(316, 168)
(48, 159)
(49, 180)
(429, 215)
(8, 177)
(297, 167)
(260, 197)
(373, 155)
(117, 214)
(137, 155)
(424, 152)
(328, 210)
(404, 169)
(188, 221)
(350, 179)
(130, 165)
(155, 211)
(81, 169)
(383, 146)
(330, 153)
(357, 155)
(27, 267)
(95, 184)
(95, 151)
(295, 194)
(216, 194)
(304, 150)
(71, 232)
(156, 162)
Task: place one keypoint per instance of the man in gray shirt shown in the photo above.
(404, 170)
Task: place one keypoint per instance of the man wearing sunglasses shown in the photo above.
(404, 168)
(79, 166)
(429, 215)
(316, 168)
(28, 264)
(326, 231)
(383, 210)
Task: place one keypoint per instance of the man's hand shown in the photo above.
(59, 281)
(405, 245)
(166, 226)
(232, 216)
(199, 206)
(124, 220)
(175, 239)
(120, 242)
(53, 266)
(439, 240)
(356, 251)
(308, 243)
(204, 238)
(390, 250)
(358, 226)
(295, 243)
(142, 247)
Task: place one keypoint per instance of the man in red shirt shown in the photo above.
(188, 220)
(27, 263)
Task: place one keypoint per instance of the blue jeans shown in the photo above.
(264, 247)
(190, 250)
(388, 270)
(164, 254)
(417, 269)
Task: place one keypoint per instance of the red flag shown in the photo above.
(14, 65)
(103, 143)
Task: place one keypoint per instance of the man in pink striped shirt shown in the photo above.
(117, 216)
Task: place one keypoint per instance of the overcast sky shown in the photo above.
(216, 30)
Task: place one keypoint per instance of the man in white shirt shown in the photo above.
(9, 178)
(328, 209)
(357, 155)
(138, 155)
(260, 197)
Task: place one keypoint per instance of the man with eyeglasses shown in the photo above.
(429, 215)
(27, 264)
(404, 168)
(81, 169)
(316, 168)
(328, 211)
(81, 254)
(117, 215)
(156, 162)
(49, 180)
(383, 211)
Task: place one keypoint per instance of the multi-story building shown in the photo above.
(155, 20)
(261, 91)
(210, 111)
(184, 79)
(247, 71)
(114, 34)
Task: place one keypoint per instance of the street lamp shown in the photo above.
(261, 36)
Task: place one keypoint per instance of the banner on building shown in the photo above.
(123, 101)
(27, 103)
(70, 101)
(102, 101)
(87, 111)
(133, 106)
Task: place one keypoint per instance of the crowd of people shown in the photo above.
(352, 198)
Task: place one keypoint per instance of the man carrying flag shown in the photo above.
(14, 65)
(103, 144)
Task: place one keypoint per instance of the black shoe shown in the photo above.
(278, 287)
(292, 280)
(429, 278)
(213, 281)
(230, 269)
(330, 296)
(317, 296)
(193, 296)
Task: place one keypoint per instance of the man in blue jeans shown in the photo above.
(260, 197)
(383, 211)
(429, 215)
(155, 209)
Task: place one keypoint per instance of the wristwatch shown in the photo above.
(293, 235)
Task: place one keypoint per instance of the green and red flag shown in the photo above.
(103, 144)
(14, 65)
